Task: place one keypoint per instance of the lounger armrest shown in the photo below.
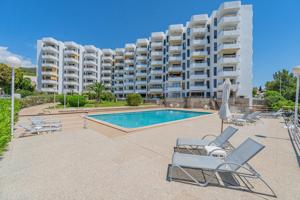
(248, 168)
(209, 135)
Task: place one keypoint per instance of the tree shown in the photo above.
(285, 83)
(98, 89)
(254, 91)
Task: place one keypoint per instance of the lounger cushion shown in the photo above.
(196, 161)
(192, 142)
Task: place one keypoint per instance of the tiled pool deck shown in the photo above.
(103, 163)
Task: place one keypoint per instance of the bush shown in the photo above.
(108, 96)
(76, 100)
(24, 93)
(5, 130)
(36, 100)
(276, 101)
(134, 99)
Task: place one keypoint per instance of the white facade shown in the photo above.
(190, 60)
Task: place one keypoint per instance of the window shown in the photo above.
(215, 46)
(188, 42)
(188, 74)
(208, 39)
(167, 40)
(215, 58)
(184, 36)
(188, 85)
(208, 61)
(215, 21)
(215, 71)
(183, 56)
(208, 84)
(188, 53)
(208, 94)
(215, 83)
(188, 31)
(183, 46)
(167, 49)
(183, 65)
(208, 27)
(208, 73)
(164, 60)
(208, 50)
(215, 34)
(188, 63)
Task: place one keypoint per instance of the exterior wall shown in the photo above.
(189, 60)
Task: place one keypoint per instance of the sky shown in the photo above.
(111, 24)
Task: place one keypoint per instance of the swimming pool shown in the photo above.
(145, 118)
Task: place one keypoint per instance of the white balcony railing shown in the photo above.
(174, 79)
(198, 76)
(195, 65)
(198, 87)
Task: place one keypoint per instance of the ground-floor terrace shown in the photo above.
(98, 162)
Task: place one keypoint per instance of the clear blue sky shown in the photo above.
(115, 22)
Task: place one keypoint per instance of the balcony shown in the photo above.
(196, 19)
(175, 59)
(199, 31)
(128, 83)
(195, 65)
(71, 52)
(117, 64)
(175, 38)
(71, 67)
(176, 28)
(50, 49)
(49, 73)
(107, 59)
(229, 33)
(128, 91)
(198, 54)
(141, 74)
(90, 62)
(49, 65)
(174, 89)
(71, 60)
(156, 62)
(90, 55)
(229, 60)
(198, 76)
(229, 20)
(141, 82)
(198, 87)
(175, 69)
(106, 71)
(157, 54)
(129, 68)
(141, 91)
(52, 82)
(233, 73)
(156, 72)
(48, 89)
(108, 65)
(175, 79)
(139, 58)
(141, 49)
(71, 83)
(119, 57)
(157, 36)
(129, 76)
(91, 77)
(89, 69)
(119, 84)
(199, 42)
(155, 90)
(156, 44)
(141, 66)
(119, 78)
(119, 91)
(106, 78)
(71, 75)
(229, 46)
(50, 57)
(129, 61)
(119, 72)
(175, 49)
(156, 81)
(129, 54)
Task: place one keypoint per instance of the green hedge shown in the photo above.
(72, 100)
(5, 131)
(134, 99)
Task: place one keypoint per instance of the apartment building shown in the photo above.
(186, 60)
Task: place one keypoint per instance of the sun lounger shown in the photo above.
(235, 163)
(38, 129)
(38, 121)
(218, 141)
(246, 118)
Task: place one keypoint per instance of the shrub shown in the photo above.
(24, 93)
(5, 130)
(76, 100)
(276, 101)
(134, 99)
(36, 100)
(108, 96)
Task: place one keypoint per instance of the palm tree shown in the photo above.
(98, 88)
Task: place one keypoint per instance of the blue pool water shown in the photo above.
(145, 118)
